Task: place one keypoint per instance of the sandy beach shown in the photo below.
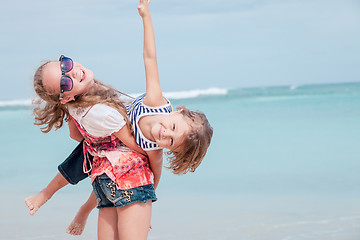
(199, 218)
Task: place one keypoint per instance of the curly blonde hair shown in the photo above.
(193, 149)
(50, 113)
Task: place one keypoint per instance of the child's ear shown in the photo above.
(177, 111)
(66, 99)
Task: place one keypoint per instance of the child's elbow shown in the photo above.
(149, 56)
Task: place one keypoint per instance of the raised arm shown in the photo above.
(154, 95)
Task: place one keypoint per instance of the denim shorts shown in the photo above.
(108, 195)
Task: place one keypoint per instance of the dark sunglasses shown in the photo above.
(66, 83)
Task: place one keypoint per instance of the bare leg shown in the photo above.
(34, 202)
(134, 221)
(77, 225)
(107, 224)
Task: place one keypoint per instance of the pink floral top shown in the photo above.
(127, 168)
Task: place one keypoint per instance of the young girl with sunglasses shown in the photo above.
(99, 116)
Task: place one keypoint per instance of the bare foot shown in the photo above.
(77, 225)
(34, 202)
(75, 228)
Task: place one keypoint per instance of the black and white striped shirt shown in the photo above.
(135, 111)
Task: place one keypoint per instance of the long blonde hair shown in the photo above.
(49, 112)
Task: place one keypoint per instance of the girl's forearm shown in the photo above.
(157, 173)
(156, 163)
(149, 38)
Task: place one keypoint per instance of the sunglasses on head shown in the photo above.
(66, 83)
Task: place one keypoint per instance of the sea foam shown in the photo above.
(15, 103)
(195, 93)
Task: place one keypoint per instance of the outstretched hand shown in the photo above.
(143, 7)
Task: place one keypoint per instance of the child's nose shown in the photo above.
(166, 133)
(73, 74)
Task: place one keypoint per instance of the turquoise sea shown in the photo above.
(283, 164)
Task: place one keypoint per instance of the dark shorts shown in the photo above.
(107, 194)
(72, 167)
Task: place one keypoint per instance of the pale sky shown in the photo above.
(200, 44)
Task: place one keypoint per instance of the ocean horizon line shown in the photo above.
(215, 91)
(170, 95)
